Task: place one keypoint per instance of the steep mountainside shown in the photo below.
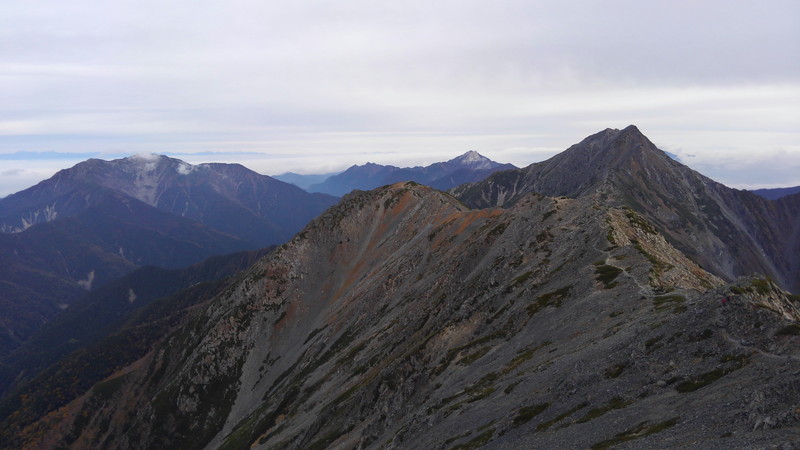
(49, 265)
(101, 311)
(401, 319)
(116, 332)
(469, 167)
(727, 231)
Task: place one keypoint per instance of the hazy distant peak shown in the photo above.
(474, 160)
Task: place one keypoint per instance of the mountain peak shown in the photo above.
(471, 156)
(473, 160)
(631, 129)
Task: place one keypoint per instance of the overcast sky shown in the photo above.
(316, 86)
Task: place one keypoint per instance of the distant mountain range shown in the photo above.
(592, 300)
(776, 193)
(304, 181)
(98, 220)
(469, 167)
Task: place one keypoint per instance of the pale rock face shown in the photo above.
(475, 160)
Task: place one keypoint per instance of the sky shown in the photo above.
(317, 86)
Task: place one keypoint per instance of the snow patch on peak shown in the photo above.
(131, 295)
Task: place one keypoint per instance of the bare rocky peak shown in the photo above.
(473, 160)
(730, 232)
(402, 319)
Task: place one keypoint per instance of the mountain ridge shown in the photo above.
(402, 318)
(468, 167)
(269, 210)
(99, 220)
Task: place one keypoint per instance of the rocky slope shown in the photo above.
(469, 167)
(101, 312)
(727, 231)
(402, 319)
(63, 360)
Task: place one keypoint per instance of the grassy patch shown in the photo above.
(522, 356)
(639, 222)
(664, 302)
(545, 425)
(314, 333)
(498, 230)
(472, 357)
(326, 440)
(614, 403)
(477, 442)
(704, 335)
(455, 438)
(106, 389)
(518, 281)
(789, 330)
(511, 387)
(701, 380)
(615, 370)
(607, 274)
(641, 430)
(761, 286)
(704, 379)
(527, 413)
(553, 298)
(653, 344)
(453, 352)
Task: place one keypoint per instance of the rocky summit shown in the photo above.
(729, 232)
(401, 318)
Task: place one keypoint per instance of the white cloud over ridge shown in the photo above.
(322, 85)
